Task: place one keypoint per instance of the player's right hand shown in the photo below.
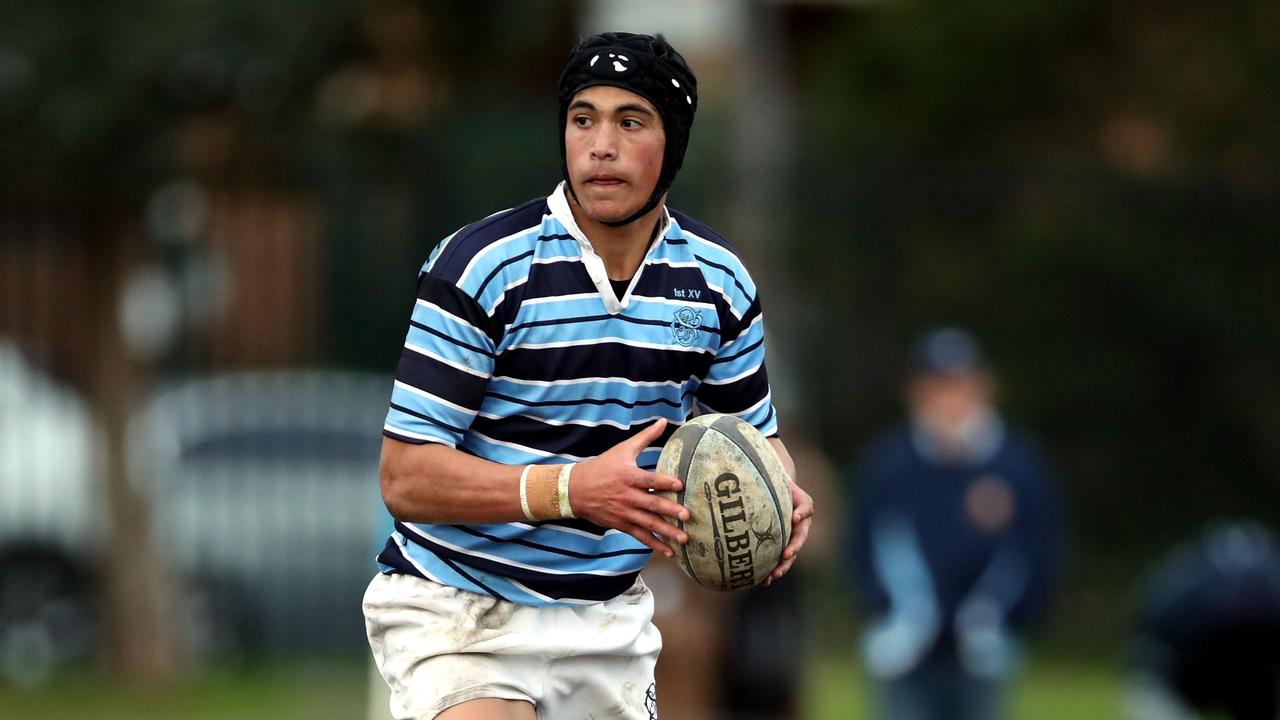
(611, 491)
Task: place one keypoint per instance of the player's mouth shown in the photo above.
(603, 180)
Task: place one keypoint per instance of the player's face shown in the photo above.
(614, 143)
(947, 402)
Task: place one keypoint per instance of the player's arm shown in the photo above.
(801, 513)
(738, 383)
(434, 483)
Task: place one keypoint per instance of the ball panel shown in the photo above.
(766, 461)
(738, 501)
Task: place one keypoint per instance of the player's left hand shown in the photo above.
(801, 519)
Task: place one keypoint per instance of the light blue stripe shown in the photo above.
(648, 458)
(578, 391)
(639, 307)
(749, 362)
(430, 408)
(435, 252)
(491, 257)
(583, 414)
(507, 455)
(450, 352)
(562, 538)
(660, 335)
(533, 558)
(412, 427)
(765, 411)
(429, 563)
(450, 325)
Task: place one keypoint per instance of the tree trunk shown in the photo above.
(140, 597)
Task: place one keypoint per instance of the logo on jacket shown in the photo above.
(989, 504)
(685, 324)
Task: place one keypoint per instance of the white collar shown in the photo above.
(558, 202)
(984, 436)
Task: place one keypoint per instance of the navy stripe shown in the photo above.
(458, 569)
(474, 238)
(392, 556)
(453, 300)
(738, 325)
(560, 236)
(578, 440)
(588, 401)
(701, 230)
(659, 279)
(578, 524)
(676, 240)
(726, 270)
(606, 316)
(565, 581)
(405, 438)
(424, 418)
(602, 360)
(736, 396)
(427, 373)
(505, 263)
(549, 548)
(557, 279)
(600, 588)
(740, 353)
(450, 338)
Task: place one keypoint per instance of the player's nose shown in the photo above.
(603, 145)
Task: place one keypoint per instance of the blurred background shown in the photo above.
(212, 215)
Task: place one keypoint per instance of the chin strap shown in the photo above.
(644, 210)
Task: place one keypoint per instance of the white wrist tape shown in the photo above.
(562, 491)
(524, 493)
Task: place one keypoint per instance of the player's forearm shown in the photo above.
(437, 484)
(787, 463)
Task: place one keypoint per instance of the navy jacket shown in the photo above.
(992, 526)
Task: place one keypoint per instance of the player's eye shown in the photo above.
(582, 121)
(631, 124)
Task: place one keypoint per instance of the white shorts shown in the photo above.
(438, 646)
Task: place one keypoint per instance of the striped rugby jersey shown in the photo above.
(519, 352)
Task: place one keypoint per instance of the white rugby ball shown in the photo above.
(739, 503)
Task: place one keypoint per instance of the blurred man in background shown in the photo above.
(1209, 630)
(956, 541)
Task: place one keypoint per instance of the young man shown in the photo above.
(956, 541)
(552, 349)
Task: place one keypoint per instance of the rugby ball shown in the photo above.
(739, 503)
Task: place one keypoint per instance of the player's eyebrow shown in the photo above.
(624, 108)
(633, 108)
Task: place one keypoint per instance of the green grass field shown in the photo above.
(1047, 690)
(336, 690)
(329, 690)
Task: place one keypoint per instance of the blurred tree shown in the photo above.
(113, 114)
(98, 104)
(1093, 188)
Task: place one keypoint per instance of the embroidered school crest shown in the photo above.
(685, 324)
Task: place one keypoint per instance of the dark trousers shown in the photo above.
(940, 690)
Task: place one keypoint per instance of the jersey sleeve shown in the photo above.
(444, 368)
(737, 381)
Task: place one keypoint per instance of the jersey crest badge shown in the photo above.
(685, 324)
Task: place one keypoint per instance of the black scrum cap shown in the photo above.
(648, 66)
